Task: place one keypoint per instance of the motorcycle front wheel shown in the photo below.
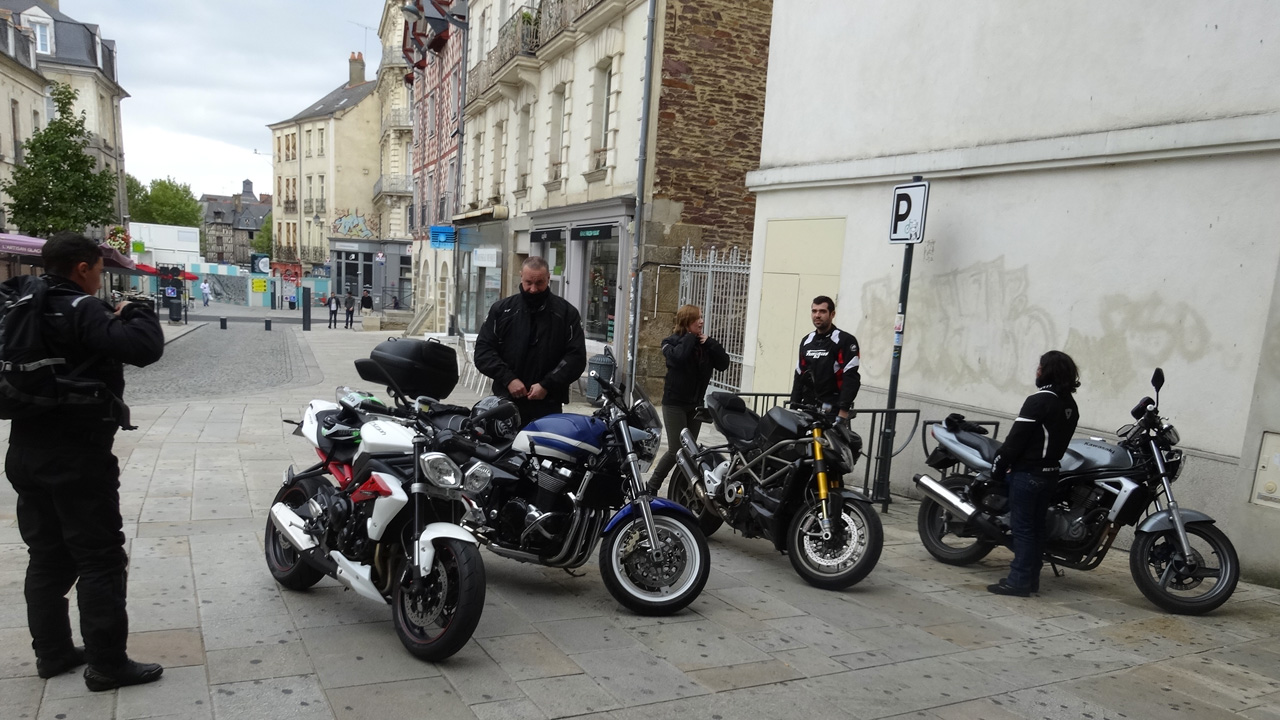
(947, 537)
(648, 587)
(680, 490)
(436, 622)
(850, 554)
(286, 565)
(1186, 586)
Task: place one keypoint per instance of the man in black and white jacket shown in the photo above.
(830, 356)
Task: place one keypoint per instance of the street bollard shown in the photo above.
(223, 323)
(268, 321)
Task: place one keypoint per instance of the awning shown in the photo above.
(30, 247)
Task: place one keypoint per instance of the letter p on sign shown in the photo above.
(906, 224)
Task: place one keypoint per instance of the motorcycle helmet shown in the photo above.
(495, 419)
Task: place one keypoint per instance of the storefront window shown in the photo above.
(556, 257)
(602, 296)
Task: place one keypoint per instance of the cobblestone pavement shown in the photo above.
(915, 639)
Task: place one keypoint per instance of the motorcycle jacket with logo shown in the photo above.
(1040, 433)
(832, 360)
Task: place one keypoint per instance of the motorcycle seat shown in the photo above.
(732, 418)
(985, 446)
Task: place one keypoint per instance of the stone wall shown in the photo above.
(710, 115)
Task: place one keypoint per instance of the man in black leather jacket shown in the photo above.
(829, 357)
(532, 345)
(67, 479)
(1030, 456)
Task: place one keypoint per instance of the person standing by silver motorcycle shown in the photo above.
(1030, 456)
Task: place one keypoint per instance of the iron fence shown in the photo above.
(716, 281)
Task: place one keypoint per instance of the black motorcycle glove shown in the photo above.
(133, 310)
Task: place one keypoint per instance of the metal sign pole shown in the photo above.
(888, 429)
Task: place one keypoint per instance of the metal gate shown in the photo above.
(716, 281)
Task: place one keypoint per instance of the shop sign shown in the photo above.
(344, 246)
(259, 285)
(591, 232)
(547, 235)
(486, 257)
(139, 246)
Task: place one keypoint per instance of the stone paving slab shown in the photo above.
(915, 639)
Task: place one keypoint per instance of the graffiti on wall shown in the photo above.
(974, 325)
(978, 325)
(350, 223)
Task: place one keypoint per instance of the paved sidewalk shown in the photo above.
(916, 639)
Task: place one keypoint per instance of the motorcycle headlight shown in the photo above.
(646, 443)
(440, 470)
(1171, 434)
(477, 478)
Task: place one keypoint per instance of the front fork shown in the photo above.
(1181, 527)
(824, 487)
(640, 491)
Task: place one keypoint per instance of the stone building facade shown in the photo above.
(553, 108)
(22, 91)
(231, 222)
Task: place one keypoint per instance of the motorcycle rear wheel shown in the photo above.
(680, 490)
(630, 576)
(438, 623)
(1159, 570)
(935, 523)
(851, 560)
(285, 563)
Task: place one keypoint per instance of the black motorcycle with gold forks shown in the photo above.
(781, 477)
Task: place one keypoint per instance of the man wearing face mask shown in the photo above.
(532, 345)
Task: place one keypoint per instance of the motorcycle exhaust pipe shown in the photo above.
(945, 497)
(961, 509)
(685, 461)
(290, 526)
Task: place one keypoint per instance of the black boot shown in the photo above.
(109, 677)
(55, 665)
(655, 484)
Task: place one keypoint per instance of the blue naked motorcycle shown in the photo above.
(549, 492)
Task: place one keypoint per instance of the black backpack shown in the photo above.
(33, 383)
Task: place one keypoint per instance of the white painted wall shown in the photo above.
(1103, 182)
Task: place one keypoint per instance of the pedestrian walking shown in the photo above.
(532, 345)
(205, 291)
(366, 304)
(60, 462)
(350, 304)
(1029, 457)
(333, 306)
(691, 358)
(827, 370)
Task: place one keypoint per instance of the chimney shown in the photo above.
(357, 69)
(52, 3)
(247, 189)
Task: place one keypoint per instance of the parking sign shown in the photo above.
(906, 222)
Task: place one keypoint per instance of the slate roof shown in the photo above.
(346, 96)
(72, 40)
(249, 217)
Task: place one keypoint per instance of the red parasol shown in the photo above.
(189, 276)
(147, 269)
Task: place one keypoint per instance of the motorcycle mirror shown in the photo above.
(1157, 379)
(1124, 430)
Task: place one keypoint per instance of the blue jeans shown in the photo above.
(1029, 496)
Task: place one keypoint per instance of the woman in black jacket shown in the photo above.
(691, 357)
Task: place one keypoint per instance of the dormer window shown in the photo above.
(44, 37)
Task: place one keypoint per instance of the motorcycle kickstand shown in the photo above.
(571, 573)
(1056, 572)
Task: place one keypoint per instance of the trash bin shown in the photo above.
(602, 364)
(175, 310)
(293, 304)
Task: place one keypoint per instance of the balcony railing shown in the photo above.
(315, 254)
(393, 185)
(320, 205)
(397, 119)
(284, 252)
(308, 206)
(523, 34)
(291, 206)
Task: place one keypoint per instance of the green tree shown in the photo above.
(139, 200)
(57, 187)
(170, 202)
(262, 241)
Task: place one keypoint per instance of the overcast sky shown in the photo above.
(205, 78)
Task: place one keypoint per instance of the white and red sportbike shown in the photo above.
(377, 514)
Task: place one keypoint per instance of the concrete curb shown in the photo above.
(173, 332)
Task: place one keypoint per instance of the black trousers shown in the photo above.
(534, 409)
(674, 418)
(333, 318)
(69, 517)
(351, 314)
